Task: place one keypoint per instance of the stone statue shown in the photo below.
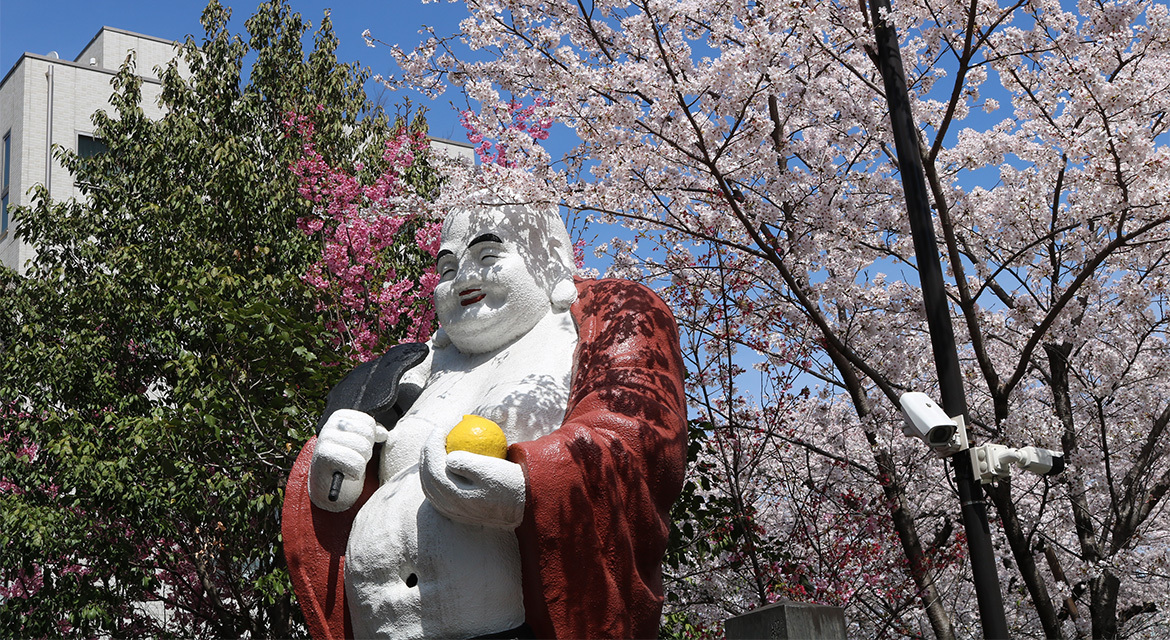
(564, 537)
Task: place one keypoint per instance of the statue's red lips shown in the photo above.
(470, 301)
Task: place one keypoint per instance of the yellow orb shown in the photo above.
(478, 435)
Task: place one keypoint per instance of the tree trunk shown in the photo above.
(1102, 589)
(1022, 552)
(895, 494)
(1103, 596)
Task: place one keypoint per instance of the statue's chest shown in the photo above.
(524, 388)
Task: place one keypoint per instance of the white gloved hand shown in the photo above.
(345, 444)
(469, 487)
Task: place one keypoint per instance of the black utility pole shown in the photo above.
(942, 335)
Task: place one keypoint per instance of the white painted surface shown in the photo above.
(79, 90)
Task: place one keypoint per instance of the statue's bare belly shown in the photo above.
(411, 572)
(456, 580)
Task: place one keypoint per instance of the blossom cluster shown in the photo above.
(511, 123)
(379, 237)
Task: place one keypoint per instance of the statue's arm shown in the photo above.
(359, 414)
(412, 383)
(468, 487)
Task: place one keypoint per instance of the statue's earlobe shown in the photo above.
(563, 295)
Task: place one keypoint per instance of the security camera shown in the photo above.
(993, 461)
(927, 421)
(1042, 462)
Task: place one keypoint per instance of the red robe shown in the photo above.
(599, 488)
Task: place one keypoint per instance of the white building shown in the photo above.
(45, 100)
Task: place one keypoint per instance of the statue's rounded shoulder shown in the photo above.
(608, 299)
(616, 289)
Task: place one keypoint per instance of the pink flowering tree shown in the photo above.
(379, 238)
(744, 147)
(775, 507)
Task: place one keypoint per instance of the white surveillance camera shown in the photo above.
(927, 421)
(993, 462)
(1042, 462)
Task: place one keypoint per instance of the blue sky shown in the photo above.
(66, 26)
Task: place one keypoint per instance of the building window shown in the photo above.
(89, 146)
(4, 185)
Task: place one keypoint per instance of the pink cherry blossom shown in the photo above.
(743, 152)
(379, 238)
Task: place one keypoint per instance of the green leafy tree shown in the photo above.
(163, 360)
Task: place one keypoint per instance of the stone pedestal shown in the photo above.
(786, 620)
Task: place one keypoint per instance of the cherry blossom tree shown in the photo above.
(744, 146)
(378, 235)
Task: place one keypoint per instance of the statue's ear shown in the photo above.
(563, 295)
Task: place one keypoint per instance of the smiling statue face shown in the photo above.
(497, 266)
